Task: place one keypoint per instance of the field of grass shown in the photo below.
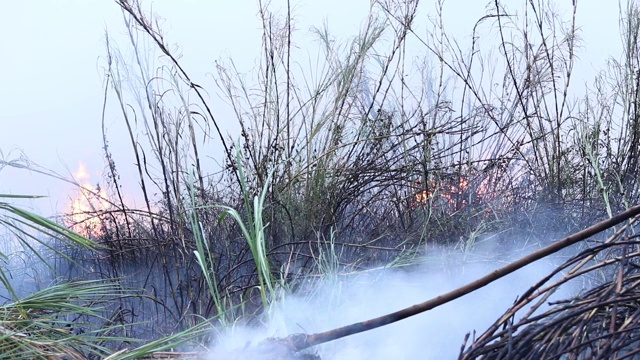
(366, 160)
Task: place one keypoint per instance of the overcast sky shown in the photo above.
(52, 55)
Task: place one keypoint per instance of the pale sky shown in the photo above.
(52, 55)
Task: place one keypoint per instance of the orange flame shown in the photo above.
(87, 204)
(450, 197)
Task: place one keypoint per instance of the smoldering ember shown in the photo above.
(405, 192)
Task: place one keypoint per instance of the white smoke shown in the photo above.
(436, 334)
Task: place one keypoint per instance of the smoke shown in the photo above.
(436, 334)
(23, 268)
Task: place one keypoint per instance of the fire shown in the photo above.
(449, 197)
(87, 204)
(448, 194)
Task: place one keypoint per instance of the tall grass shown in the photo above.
(203, 254)
(353, 150)
(254, 232)
(359, 159)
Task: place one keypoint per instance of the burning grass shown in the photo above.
(360, 167)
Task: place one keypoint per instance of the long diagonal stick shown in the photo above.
(297, 342)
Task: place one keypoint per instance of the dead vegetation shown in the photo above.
(601, 322)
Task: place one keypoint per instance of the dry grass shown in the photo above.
(601, 322)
